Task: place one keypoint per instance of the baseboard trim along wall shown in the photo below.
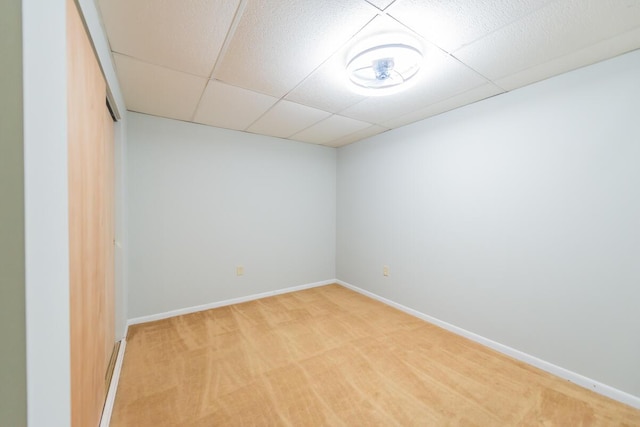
(194, 309)
(558, 371)
(113, 387)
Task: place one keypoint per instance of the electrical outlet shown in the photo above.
(385, 270)
(239, 270)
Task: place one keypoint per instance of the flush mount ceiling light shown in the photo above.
(384, 68)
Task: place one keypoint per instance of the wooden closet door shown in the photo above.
(91, 225)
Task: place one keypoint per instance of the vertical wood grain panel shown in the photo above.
(109, 236)
(90, 131)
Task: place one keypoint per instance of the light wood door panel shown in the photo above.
(91, 227)
(109, 191)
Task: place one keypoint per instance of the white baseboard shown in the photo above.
(113, 386)
(194, 309)
(558, 371)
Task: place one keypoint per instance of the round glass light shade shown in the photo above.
(384, 69)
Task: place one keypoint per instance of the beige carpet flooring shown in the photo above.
(331, 357)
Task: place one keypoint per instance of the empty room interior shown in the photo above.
(340, 213)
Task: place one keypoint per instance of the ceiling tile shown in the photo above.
(265, 50)
(329, 129)
(357, 136)
(452, 24)
(381, 4)
(482, 92)
(280, 42)
(184, 36)
(329, 87)
(442, 78)
(287, 118)
(158, 91)
(600, 51)
(231, 107)
(556, 30)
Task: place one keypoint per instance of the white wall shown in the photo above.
(202, 201)
(517, 218)
(46, 215)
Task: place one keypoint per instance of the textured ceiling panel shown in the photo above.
(594, 53)
(158, 91)
(287, 118)
(181, 35)
(327, 88)
(280, 64)
(452, 24)
(558, 29)
(381, 4)
(443, 77)
(231, 107)
(357, 136)
(330, 129)
(485, 91)
(279, 42)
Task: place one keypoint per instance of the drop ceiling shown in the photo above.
(276, 67)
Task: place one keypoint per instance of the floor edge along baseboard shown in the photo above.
(203, 307)
(107, 410)
(581, 380)
(558, 371)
